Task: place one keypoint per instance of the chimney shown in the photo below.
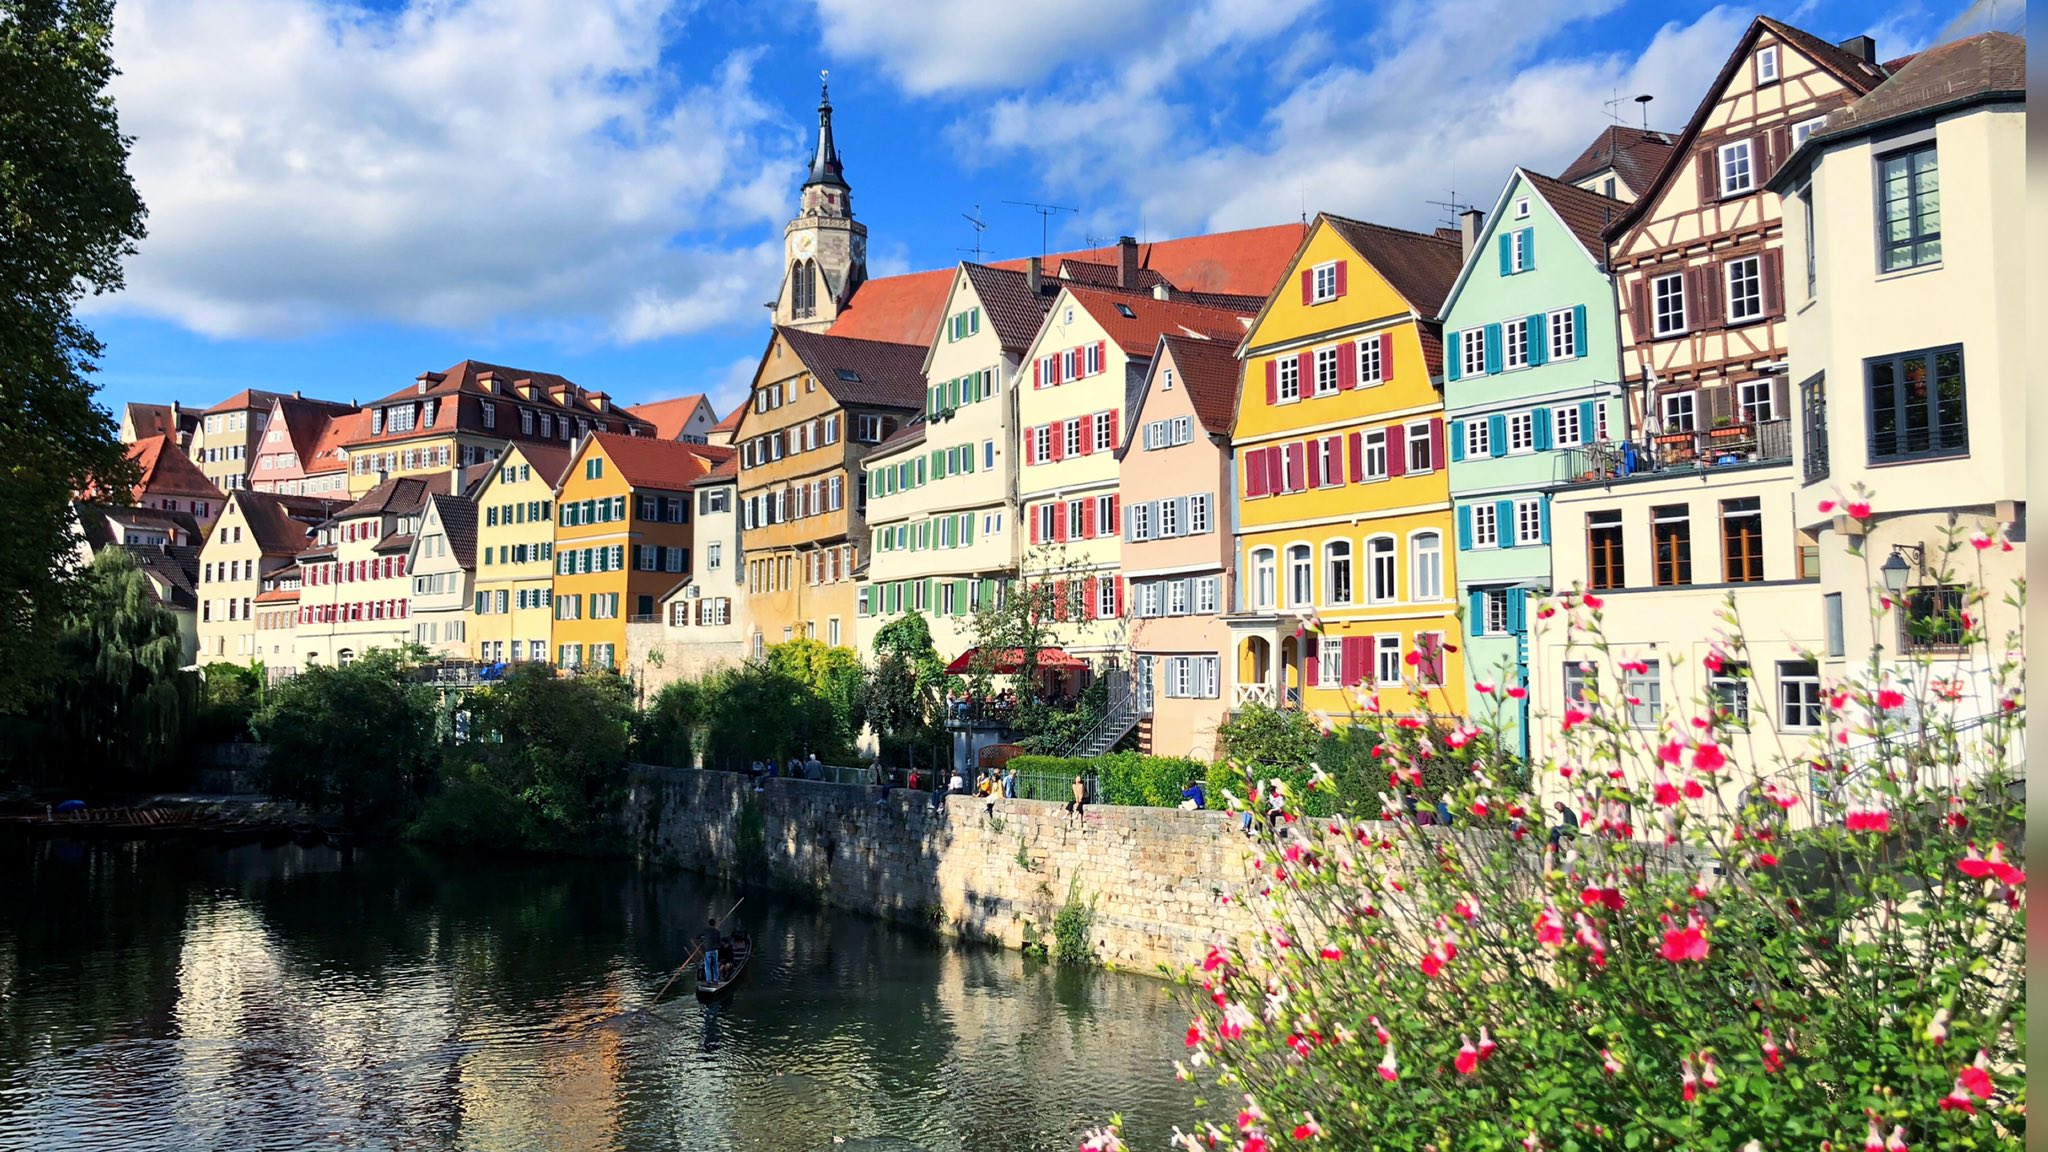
(1161, 292)
(1034, 274)
(1862, 47)
(1469, 223)
(1127, 262)
(298, 395)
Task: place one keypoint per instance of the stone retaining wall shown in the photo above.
(1152, 875)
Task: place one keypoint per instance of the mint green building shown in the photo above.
(1532, 372)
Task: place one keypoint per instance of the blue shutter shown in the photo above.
(1543, 519)
(1497, 435)
(1579, 329)
(1493, 347)
(1585, 416)
(1542, 421)
(1464, 527)
(1450, 356)
(1539, 342)
(1457, 440)
(1528, 249)
(1518, 610)
(1507, 254)
(1475, 604)
(1504, 522)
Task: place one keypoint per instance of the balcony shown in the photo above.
(1747, 444)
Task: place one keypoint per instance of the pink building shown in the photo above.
(1174, 479)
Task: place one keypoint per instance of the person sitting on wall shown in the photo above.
(1192, 796)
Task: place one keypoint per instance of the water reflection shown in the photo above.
(170, 996)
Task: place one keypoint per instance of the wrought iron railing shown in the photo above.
(1752, 442)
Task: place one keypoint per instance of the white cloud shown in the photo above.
(931, 45)
(468, 164)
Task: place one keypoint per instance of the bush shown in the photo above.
(1127, 778)
(358, 738)
(1228, 781)
(666, 731)
(474, 811)
(558, 746)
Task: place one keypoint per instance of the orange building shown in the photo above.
(622, 538)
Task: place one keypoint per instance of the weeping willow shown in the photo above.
(120, 702)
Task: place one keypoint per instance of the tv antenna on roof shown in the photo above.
(980, 226)
(1614, 107)
(1454, 206)
(1045, 214)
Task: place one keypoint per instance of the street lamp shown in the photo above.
(1896, 570)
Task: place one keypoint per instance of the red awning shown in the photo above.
(1012, 659)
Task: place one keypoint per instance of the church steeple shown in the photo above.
(827, 249)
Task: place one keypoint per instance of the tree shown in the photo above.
(904, 695)
(668, 727)
(119, 704)
(358, 737)
(558, 743)
(229, 696)
(68, 215)
(760, 710)
(834, 675)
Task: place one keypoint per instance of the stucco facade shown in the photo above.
(354, 592)
(511, 605)
(442, 565)
(704, 620)
(256, 536)
(1343, 511)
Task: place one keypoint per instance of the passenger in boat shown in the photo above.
(711, 941)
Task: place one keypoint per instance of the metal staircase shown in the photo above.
(1128, 704)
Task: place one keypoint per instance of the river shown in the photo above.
(179, 996)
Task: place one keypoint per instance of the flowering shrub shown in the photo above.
(1831, 957)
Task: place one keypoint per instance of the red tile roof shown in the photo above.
(727, 471)
(670, 417)
(1249, 262)
(1138, 333)
(670, 465)
(1421, 267)
(550, 460)
(1209, 371)
(305, 421)
(731, 422)
(466, 387)
(868, 372)
(1635, 154)
(167, 471)
(247, 399)
(280, 524)
(336, 432)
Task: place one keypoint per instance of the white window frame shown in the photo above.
(1070, 437)
(1472, 351)
(1755, 401)
(1368, 448)
(1521, 433)
(1370, 370)
(1562, 326)
(1425, 566)
(1386, 658)
(1206, 589)
(1324, 363)
(1809, 702)
(1411, 443)
(1169, 518)
(1478, 438)
(1103, 441)
(1749, 306)
(1264, 591)
(1565, 427)
(1667, 411)
(1105, 598)
(1139, 517)
(1494, 609)
(1198, 514)
(1529, 520)
(1379, 560)
(1330, 661)
(1149, 599)
(1337, 558)
(1485, 525)
(1668, 321)
(1514, 342)
(1804, 129)
(1323, 283)
(1521, 208)
(1288, 374)
(1518, 251)
(1301, 575)
(1178, 596)
(1735, 168)
(1767, 64)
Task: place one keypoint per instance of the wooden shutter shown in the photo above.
(1113, 414)
(1347, 362)
(1639, 308)
(1088, 587)
(1336, 447)
(1309, 661)
(1038, 373)
(1387, 356)
(1710, 180)
(1397, 453)
(1774, 145)
(1296, 465)
(1781, 396)
(1088, 519)
(1436, 442)
(1355, 656)
(1102, 355)
(1773, 271)
(1305, 373)
(1254, 464)
(1312, 449)
(1341, 266)
(1037, 524)
(1276, 470)
(1716, 404)
(1355, 456)
(1272, 382)
(1308, 285)
(1087, 424)
(1453, 365)
(1457, 441)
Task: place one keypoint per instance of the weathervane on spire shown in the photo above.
(824, 90)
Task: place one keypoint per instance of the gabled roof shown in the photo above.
(94, 521)
(280, 524)
(329, 449)
(398, 496)
(1583, 214)
(1420, 267)
(670, 417)
(156, 419)
(670, 465)
(304, 421)
(731, 421)
(1635, 154)
(1989, 64)
(1136, 322)
(1855, 74)
(1013, 310)
(246, 399)
(1208, 371)
(727, 471)
(1249, 263)
(866, 372)
(550, 461)
(166, 470)
(458, 523)
(465, 386)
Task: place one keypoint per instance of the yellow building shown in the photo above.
(622, 539)
(1344, 535)
(511, 613)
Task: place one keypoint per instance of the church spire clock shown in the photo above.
(825, 247)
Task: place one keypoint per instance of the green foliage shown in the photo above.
(359, 738)
(229, 696)
(68, 216)
(557, 746)
(757, 711)
(833, 675)
(1129, 778)
(1070, 928)
(903, 695)
(668, 729)
(1275, 737)
(1230, 785)
(474, 810)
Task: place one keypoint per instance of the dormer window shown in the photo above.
(1522, 208)
(1767, 65)
(432, 408)
(1124, 310)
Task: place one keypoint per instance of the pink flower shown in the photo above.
(1609, 1064)
(1890, 698)
(1859, 509)
(1896, 1142)
(1194, 1035)
(1874, 1140)
(1976, 1078)
(1978, 867)
(1379, 1030)
(1689, 1082)
(1687, 943)
(1980, 541)
(1213, 960)
(1774, 1058)
(1390, 1071)
(1827, 506)
(1550, 929)
(1937, 1028)
(1329, 953)
(1710, 1072)
(1433, 963)
(1486, 1044)
(1603, 897)
(1517, 692)
(1712, 662)
(1573, 717)
(1958, 1100)
(1308, 1129)
(1483, 687)
(1593, 602)
(1412, 658)
(1671, 751)
(1638, 667)
(1709, 757)
(1665, 793)
(1467, 1060)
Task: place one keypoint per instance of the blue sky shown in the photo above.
(344, 195)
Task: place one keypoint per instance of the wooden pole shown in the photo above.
(677, 974)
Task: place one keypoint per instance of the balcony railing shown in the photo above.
(1698, 450)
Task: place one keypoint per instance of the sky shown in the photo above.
(343, 195)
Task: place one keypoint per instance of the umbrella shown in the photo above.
(1010, 660)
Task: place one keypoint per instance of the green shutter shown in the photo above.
(959, 597)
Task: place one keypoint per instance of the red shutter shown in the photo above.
(1113, 413)
(1295, 467)
(1116, 511)
(1305, 373)
(1102, 355)
(1088, 519)
(1058, 439)
(1037, 523)
(1272, 382)
(1276, 469)
(1120, 584)
(1387, 356)
(1087, 424)
(1308, 286)
(1336, 445)
(1309, 662)
(1774, 282)
(1341, 266)
(1347, 362)
(1038, 373)
(1397, 455)
(1254, 464)
(1356, 456)
(1437, 456)
(1312, 450)
(1059, 599)
(1088, 598)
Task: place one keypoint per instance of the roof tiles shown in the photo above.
(874, 373)
(1419, 266)
(669, 465)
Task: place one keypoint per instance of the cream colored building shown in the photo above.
(704, 623)
(1909, 335)
(442, 566)
(225, 446)
(355, 594)
(258, 534)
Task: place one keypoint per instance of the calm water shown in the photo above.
(181, 997)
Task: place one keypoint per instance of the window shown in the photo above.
(1198, 513)
(1742, 540)
(1105, 599)
(1485, 525)
(1514, 343)
(1103, 441)
(1371, 369)
(1916, 405)
(1522, 432)
(1564, 334)
(1529, 520)
(1425, 566)
(1417, 442)
(1105, 516)
(1176, 597)
(1379, 570)
(1804, 129)
(1578, 681)
(1472, 350)
(1478, 439)
(1263, 578)
(1071, 441)
(1518, 250)
(1645, 693)
(1667, 294)
(1386, 660)
(1566, 430)
(1141, 520)
(1374, 466)
(867, 429)
(1148, 599)
(1909, 229)
(1671, 535)
(1337, 572)
(1289, 378)
(1737, 174)
(1330, 661)
(1522, 208)
(1169, 518)
(1493, 612)
(1041, 444)
(1745, 288)
(1813, 410)
(1729, 690)
(1678, 410)
(1799, 696)
(1604, 550)
(1932, 618)
(1754, 402)
(1767, 64)
(1324, 286)
(1300, 577)
(1206, 588)
(1326, 371)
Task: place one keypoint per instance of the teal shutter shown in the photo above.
(1507, 254)
(1528, 249)
(1457, 441)
(1518, 610)
(1475, 606)
(1543, 519)
(1539, 341)
(1542, 421)
(1493, 347)
(1504, 522)
(1450, 356)
(1497, 435)
(1578, 329)
(1464, 527)
(1585, 417)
